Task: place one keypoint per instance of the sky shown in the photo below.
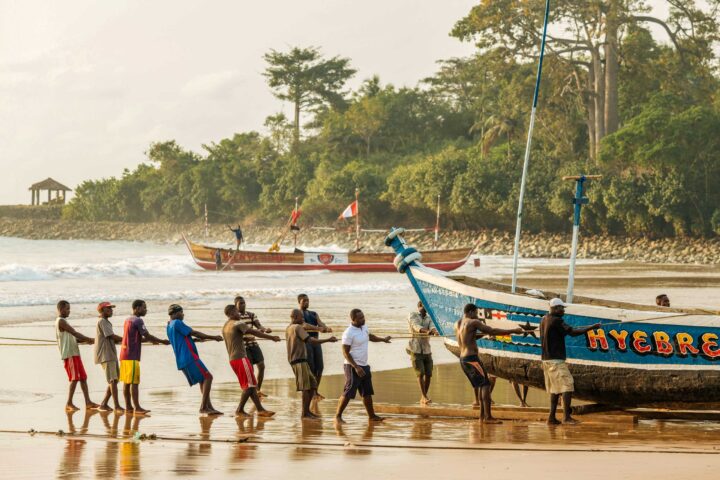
(87, 86)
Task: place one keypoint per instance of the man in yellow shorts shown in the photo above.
(133, 335)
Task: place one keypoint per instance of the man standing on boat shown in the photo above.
(467, 330)
(421, 328)
(254, 352)
(558, 379)
(238, 236)
(313, 325)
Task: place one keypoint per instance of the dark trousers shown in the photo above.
(315, 359)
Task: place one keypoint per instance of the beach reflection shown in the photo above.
(71, 460)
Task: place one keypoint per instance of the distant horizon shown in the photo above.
(85, 99)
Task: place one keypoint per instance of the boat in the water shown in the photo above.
(641, 356)
(316, 259)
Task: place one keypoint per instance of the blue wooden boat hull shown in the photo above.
(639, 356)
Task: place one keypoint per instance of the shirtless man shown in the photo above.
(467, 330)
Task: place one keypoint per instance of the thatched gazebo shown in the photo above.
(51, 186)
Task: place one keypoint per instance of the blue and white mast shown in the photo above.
(518, 225)
(579, 200)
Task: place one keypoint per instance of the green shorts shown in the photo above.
(304, 379)
(422, 363)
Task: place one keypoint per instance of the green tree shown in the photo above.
(302, 76)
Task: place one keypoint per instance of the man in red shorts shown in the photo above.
(67, 340)
(233, 332)
(187, 358)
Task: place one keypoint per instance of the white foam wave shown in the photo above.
(205, 294)
(149, 266)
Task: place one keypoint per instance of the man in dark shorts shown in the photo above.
(421, 328)
(297, 338)
(467, 330)
(234, 332)
(218, 259)
(313, 325)
(254, 352)
(357, 371)
(238, 236)
(662, 300)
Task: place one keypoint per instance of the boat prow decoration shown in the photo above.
(315, 259)
(640, 356)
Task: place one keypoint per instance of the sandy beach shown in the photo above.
(175, 441)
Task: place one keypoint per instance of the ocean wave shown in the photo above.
(150, 266)
(22, 300)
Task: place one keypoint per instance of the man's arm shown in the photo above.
(317, 341)
(256, 323)
(415, 322)
(261, 334)
(147, 337)
(65, 327)
(375, 338)
(576, 332)
(204, 336)
(497, 331)
(351, 361)
(116, 338)
(324, 328)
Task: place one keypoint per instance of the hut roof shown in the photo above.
(49, 184)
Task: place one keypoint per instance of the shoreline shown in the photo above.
(702, 251)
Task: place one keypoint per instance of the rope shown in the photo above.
(26, 339)
(345, 445)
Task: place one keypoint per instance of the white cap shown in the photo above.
(556, 302)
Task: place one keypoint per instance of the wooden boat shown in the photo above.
(301, 259)
(641, 356)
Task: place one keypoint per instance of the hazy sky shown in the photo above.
(86, 86)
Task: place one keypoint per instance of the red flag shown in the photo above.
(294, 216)
(350, 211)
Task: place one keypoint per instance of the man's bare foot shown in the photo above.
(261, 394)
(140, 411)
(524, 405)
(570, 421)
(91, 406)
(376, 418)
(104, 408)
(310, 416)
(491, 421)
(71, 408)
(553, 421)
(210, 411)
(241, 414)
(339, 419)
(265, 413)
(318, 396)
(119, 410)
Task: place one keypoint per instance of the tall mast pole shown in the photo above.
(437, 222)
(206, 222)
(357, 220)
(518, 225)
(579, 200)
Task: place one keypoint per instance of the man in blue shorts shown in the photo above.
(467, 330)
(187, 357)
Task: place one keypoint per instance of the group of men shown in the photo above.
(240, 333)
(305, 355)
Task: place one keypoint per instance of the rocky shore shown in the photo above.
(490, 242)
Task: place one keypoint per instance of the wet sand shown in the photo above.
(104, 445)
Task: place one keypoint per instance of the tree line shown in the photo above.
(624, 94)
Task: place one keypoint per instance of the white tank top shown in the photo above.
(67, 343)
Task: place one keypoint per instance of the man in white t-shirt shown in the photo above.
(357, 371)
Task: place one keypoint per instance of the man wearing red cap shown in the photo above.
(106, 354)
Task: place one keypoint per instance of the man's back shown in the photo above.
(465, 329)
(553, 330)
